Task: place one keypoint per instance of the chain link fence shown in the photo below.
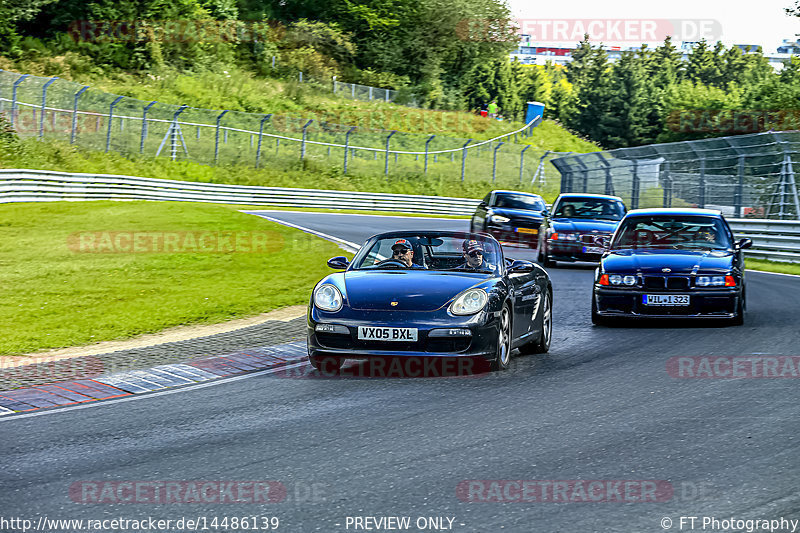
(750, 176)
(65, 111)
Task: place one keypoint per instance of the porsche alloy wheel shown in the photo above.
(326, 364)
(503, 342)
(543, 344)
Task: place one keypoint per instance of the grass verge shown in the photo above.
(773, 266)
(57, 293)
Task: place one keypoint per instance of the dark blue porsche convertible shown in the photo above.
(671, 263)
(429, 294)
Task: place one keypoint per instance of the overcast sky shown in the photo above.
(760, 22)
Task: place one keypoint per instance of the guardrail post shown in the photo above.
(494, 161)
(522, 161)
(14, 96)
(370, 92)
(386, 166)
(635, 185)
(347, 146)
(144, 125)
(219, 118)
(44, 104)
(426, 152)
(464, 158)
(701, 193)
(110, 118)
(737, 200)
(387, 94)
(260, 136)
(75, 114)
(303, 142)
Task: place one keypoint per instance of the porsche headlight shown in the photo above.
(327, 297)
(469, 302)
(499, 219)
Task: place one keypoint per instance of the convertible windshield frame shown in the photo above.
(425, 258)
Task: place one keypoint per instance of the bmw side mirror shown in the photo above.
(338, 263)
(602, 241)
(520, 267)
(744, 243)
(545, 212)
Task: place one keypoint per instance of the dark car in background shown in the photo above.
(577, 226)
(671, 263)
(459, 297)
(511, 217)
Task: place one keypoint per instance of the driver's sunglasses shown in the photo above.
(475, 253)
(402, 251)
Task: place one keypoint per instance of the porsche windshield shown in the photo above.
(468, 252)
(678, 232)
(596, 208)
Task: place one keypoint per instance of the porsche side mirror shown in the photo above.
(744, 243)
(339, 263)
(520, 267)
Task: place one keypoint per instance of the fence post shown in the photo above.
(144, 125)
(14, 96)
(347, 146)
(301, 76)
(667, 184)
(216, 139)
(426, 152)
(387, 94)
(737, 201)
(260, 136)
(353, 90)
(44, 104)
(303, 142)
(370, 92)
(75, 114)
(701, 201)
(386, 166)
(635, 185)
(522, 161)
(464, 158)
(494, 161)
(273, 62)
(334, 85)
(110, 118)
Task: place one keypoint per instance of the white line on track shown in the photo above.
(134, 397)
(347, 245)
(353, 214)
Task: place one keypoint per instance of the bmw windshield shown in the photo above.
(591, 208)
(676, 232)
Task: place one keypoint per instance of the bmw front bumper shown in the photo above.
(703, 303)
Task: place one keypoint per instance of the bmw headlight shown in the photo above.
(469, 302)
(629, 280)
(327, 297)
(710, 281)
(570, 236)
(499, 219)
(615, 279)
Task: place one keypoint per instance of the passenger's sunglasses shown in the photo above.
(475, 253)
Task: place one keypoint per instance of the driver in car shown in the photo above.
(473, 257)
(403, 252)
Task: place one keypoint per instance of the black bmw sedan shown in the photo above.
(571, 231)
(671, 263)
(511, 217)
(428, 295)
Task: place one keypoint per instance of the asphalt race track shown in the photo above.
(601, 405)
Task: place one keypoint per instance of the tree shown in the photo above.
(589, 74)
(626, 121)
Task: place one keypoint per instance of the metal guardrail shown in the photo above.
(777, 240)
(46, 185)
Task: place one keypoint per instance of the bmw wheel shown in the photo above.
(503, 357)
